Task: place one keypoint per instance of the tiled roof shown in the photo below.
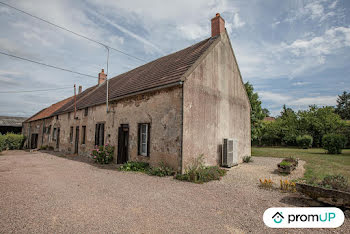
(11, 121)
(47, 112)
(163, 71)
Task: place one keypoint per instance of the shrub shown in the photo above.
(2, 142)
(247, 159)
(103, 154)
(50, 148)
(198, 173)
(14, 141)
(338, 182)
(304, 141)
(134, 166)
(202, 174)
(333, 143)
(161, 171)
(43, 147)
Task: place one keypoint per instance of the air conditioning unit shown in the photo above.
(229, 153)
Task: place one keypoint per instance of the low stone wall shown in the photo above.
(329, 196)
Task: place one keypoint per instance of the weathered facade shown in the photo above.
(170, 110)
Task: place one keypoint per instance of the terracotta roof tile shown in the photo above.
(47, 112)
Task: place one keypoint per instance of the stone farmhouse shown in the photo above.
(170, 110)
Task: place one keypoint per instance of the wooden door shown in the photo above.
(58, 139)
(123, 143)
(76, 148)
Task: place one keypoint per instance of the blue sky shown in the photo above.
(294, 52)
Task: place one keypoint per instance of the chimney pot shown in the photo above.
(217, 25)
(80, 89)
(102, 77)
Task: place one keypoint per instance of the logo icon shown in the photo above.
(278, 217)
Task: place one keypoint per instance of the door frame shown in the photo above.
(123, 144)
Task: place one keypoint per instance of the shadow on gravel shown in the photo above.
(83, 159)
(297, 199)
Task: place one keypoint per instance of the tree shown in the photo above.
(266, 112)
(318, 122)
(343, 105)
(289, 126)
(256, 114)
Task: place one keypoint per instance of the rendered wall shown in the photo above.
(215, 107)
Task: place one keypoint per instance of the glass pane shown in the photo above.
(143, 149)
(143, 138)
(143, 128)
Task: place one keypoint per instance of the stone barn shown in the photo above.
(170, 110)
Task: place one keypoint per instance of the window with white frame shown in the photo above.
(144, 139)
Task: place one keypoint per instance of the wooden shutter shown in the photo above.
(148, 138)
(96, 134)
(139, 140)
(102, 134)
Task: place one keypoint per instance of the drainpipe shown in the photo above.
(182, 127)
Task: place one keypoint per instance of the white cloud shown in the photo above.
(315, 9)
(300, 83)
(193, 31)
(237, 22)
(279, 99)
(333, 4)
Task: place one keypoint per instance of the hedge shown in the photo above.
(11, 141)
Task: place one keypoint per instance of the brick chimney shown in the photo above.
(217, 25)
(80, 89)
(102, 77)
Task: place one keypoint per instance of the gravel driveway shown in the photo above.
(42, 193)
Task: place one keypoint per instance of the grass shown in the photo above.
(318, 163)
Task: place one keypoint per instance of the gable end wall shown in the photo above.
(216, 106)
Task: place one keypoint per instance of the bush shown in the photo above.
(134, 166)
(103, 154)
(2, 142)
(198, 173)
(304, 141)
(14, 141)
(333, 143)
(338, 182)
(43, 147)
(161, 171)
(247, 159)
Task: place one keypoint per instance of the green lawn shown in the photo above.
(318, 163)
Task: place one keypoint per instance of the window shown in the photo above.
(57, 117)
(48, 129)
(83, 135)
(86, 111)
(54, 134)
(68, 115)
(71, 135)
(144, 139)
(99, 134)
